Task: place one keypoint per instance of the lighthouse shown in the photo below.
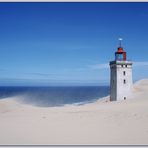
(120, 75)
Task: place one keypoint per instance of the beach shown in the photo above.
(98, 123)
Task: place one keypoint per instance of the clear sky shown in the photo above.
(70, 43)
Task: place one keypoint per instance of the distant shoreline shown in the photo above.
(55, 96)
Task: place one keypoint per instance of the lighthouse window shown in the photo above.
(124, 81)
(124, 73)
(119, 57)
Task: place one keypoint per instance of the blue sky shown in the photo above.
(70, 43)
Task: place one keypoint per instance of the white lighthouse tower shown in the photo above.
(120, 76)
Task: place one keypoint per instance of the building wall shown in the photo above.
(113, 85)
(121, 80)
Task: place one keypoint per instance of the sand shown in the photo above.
(99, 123)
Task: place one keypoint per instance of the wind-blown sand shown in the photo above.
(101, 122)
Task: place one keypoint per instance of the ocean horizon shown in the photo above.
(52, 96)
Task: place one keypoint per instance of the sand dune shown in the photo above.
(102, 122)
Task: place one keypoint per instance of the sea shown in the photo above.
(54, 96)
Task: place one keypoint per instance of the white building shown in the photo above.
(120, 76)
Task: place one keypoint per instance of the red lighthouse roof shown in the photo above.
(120, 50)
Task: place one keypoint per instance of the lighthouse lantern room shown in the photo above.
(120, 55)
